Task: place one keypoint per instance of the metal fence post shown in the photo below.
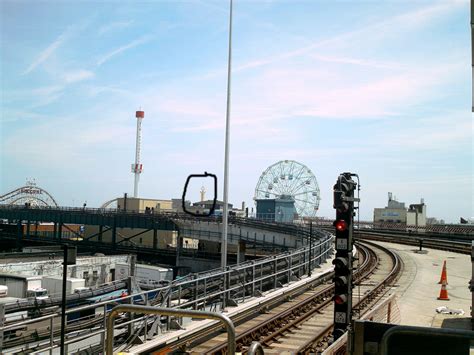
(51, 336)
(105, 327)
(253, 279)
(289, 268)
(275, 266)
(2, 323)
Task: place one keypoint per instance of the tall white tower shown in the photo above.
(137, 168)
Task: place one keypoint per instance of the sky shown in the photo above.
(378, 88)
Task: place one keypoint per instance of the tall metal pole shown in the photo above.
(472, 51)
(69, 259)
(310, 246)
(63, 300)
(226, 152)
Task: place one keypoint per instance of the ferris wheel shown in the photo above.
(290, 179)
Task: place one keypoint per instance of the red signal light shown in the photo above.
(340, 225)
(340, 299)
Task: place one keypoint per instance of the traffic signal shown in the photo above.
(344, 205)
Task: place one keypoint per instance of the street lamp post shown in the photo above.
(225, 211)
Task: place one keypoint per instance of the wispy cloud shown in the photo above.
(45, 95)
(203, 126)
(64, 37)
(18, 115)
(73, 76)
(452, 131)
(117, 25)
(281, 91)
(46, 53)
(115, 52)
(356, 61)
(375, 31)
(101, 89)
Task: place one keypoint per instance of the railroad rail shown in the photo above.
(453, 245)
(376, 286)
(291, 326)
(211, 290)
(247, 280)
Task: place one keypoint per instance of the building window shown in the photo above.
(95, 275)
(141, 240)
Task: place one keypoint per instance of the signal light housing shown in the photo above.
(340, 281)
(341, 264)
(340, 225)
(344, 205)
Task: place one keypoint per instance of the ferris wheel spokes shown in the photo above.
(290, 179)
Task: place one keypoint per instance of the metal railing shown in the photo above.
(168, 312)
(255, 349)
(463, 229)
(215, 289)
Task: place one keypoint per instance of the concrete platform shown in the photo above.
(419, 289)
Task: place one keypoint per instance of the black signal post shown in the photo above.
(70, 253)
(344, 205)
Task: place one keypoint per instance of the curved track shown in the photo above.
(302, 323)
(453, 244)
(374, 287)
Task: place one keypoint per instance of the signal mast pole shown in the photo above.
(344, 204)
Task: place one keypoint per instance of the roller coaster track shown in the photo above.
(30, 193)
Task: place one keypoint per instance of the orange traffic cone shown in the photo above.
(444, 275)
(443, 294)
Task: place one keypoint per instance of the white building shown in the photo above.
(396, 212)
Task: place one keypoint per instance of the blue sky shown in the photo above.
(378, 88)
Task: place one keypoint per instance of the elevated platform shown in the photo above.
(418, 289)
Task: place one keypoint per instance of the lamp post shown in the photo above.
(225, 214)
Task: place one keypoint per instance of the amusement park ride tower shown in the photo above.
(137, 168)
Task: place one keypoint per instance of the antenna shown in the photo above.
(137, 168)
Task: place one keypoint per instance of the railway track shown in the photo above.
(263, 307)
(370, 292)
(303, 324)
(454, 245)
